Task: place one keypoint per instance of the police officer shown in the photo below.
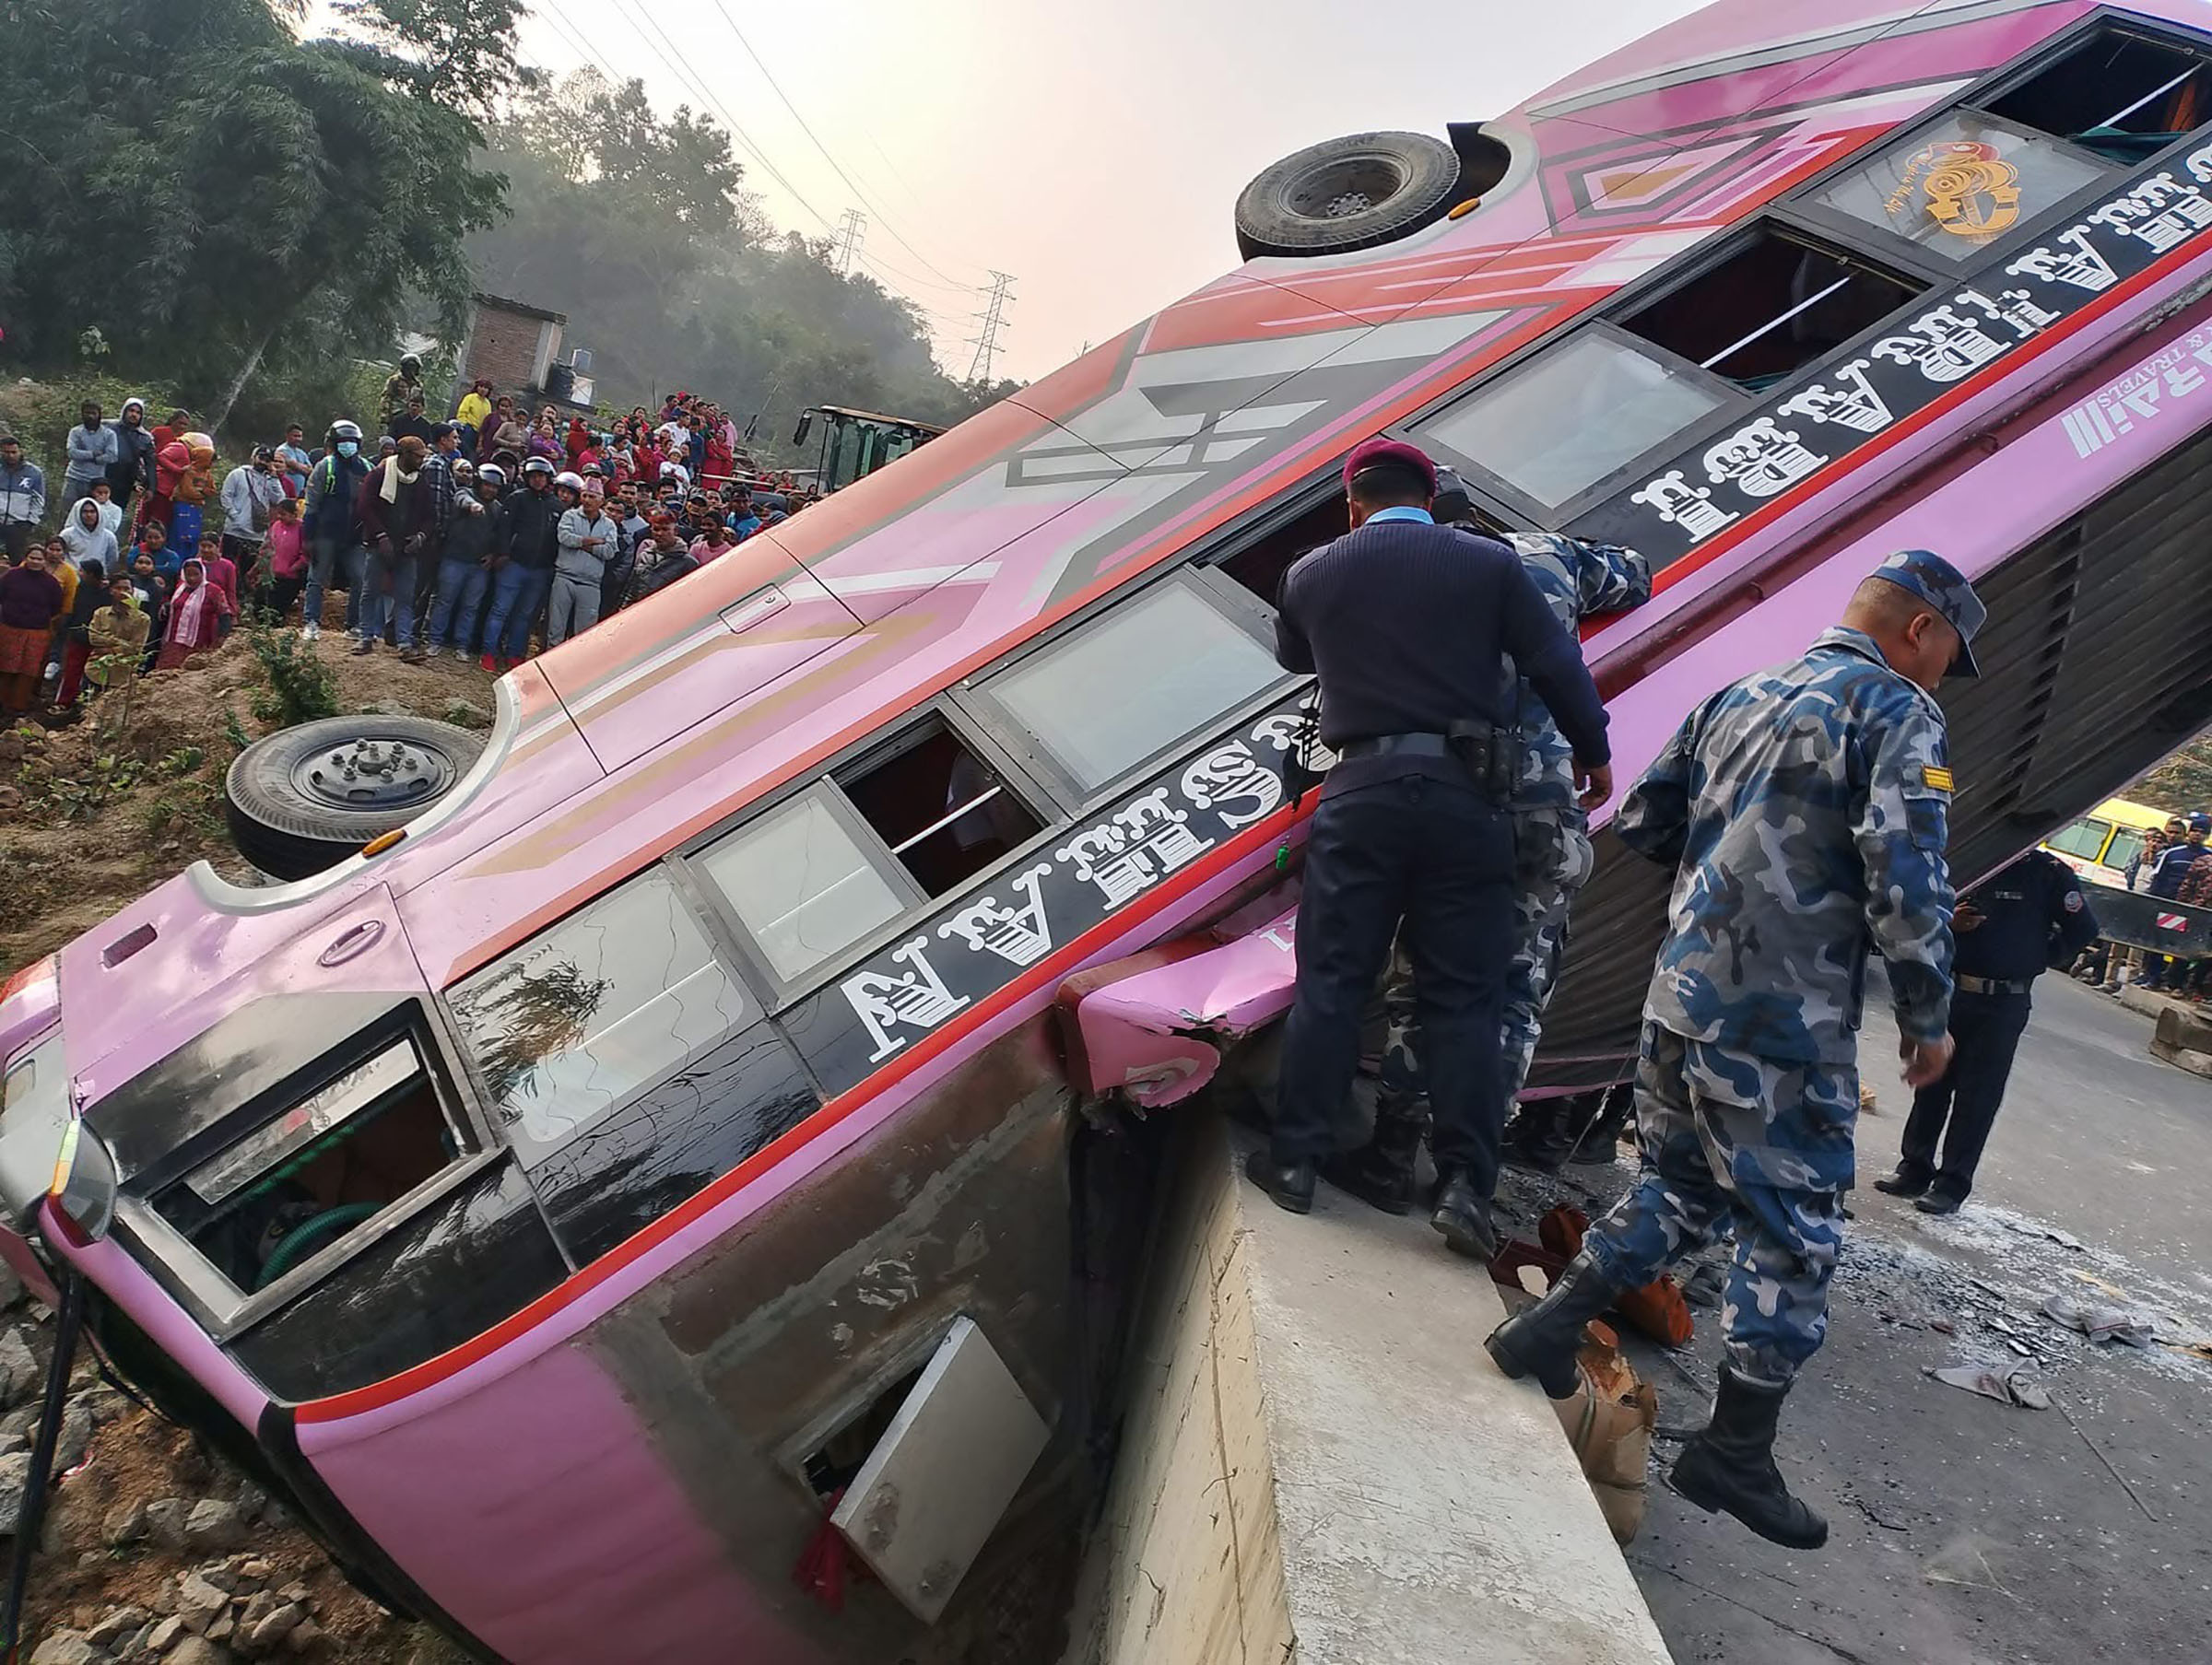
(1408, 624)
(2011, 926)
(1552, 861)
(1806, 809)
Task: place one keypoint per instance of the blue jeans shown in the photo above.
(517, 592)
(460, 593)
(388, 592)
(348, 559)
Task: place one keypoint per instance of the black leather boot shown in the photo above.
(1730, 1467)
(1380, 1172)
(1600, 1142)
(1462, 1216)
(1290, 1183)
(1537, 1136)
(1542, 1340)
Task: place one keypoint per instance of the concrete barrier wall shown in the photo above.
(1320, 1465)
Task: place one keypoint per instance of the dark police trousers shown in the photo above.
(1987, 1029)
(1436, 855)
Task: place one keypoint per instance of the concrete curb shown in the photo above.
(1319, 1463)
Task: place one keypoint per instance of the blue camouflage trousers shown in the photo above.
(1761, 1143)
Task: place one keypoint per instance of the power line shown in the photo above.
(993, 319)
(777, 87)
(671, 59)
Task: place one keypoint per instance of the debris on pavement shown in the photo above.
(2099, 1321)
(2010, 1382)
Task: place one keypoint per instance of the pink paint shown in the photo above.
(1149, 1035)
(554, 1526)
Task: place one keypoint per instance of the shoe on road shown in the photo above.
(311, 632)
(1291, 1184)
(363, 646)
(412, 656)
(1729, 1467)
(1903, 1183)
(1938, 1202)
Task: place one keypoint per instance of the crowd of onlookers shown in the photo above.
(2174, 864)
(471, 536)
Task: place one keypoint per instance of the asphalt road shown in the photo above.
(1964, 1531)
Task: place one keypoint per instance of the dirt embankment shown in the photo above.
(96, 814)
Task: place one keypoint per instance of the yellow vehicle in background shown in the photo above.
(2100, 846)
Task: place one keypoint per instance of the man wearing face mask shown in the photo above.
(333, 526)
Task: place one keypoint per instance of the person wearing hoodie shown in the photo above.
(333, 526)
(88, 538)
(587, 538)
(524, 571)
(133, 469)
(398, 517)
(92, 447)
(22, 496)
(471, 542)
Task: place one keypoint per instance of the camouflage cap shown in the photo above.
(1945, 589)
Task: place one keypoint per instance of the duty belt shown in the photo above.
(1397, 745)
(1990, 985)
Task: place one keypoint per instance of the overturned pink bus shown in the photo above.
(709, 1127)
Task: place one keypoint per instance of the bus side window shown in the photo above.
(593, 1010)
(2127, 845)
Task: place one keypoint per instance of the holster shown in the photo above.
(1492, 755)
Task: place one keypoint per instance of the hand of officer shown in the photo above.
(1593, 786)
(1925, 1061)
(1966, 917)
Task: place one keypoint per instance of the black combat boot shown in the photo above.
(1600, 1140)
(1380, 1172)
(1538, 1136)
(1462, 1216)
(1730, 1467)
(1542, 1340)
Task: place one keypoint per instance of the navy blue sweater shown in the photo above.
(1409, 627)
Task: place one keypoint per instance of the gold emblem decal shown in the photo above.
(1940, 778)
(1971, 191)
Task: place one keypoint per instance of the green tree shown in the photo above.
(639, 228)
(237, 202)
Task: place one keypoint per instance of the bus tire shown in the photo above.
(1348, 194)
(306, 797)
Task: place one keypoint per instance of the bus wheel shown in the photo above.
(1348, 194)
(306, 797)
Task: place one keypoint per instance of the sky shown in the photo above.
(1094, 152)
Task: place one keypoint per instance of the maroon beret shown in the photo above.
(1371, 453)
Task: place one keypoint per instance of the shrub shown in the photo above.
(301, 686)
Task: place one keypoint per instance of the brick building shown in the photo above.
(512, 343)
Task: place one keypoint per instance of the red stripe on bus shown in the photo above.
(431, 1371)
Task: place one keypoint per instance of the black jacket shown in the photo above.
(531, 528)
(471, 537)
(1410, 625)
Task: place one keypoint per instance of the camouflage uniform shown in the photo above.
(1552, 858)
(1806, 808)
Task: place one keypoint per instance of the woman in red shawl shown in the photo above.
(579, 441)
(30, 600)
(196, 615)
